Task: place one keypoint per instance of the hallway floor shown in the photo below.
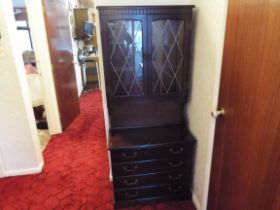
(76, 171)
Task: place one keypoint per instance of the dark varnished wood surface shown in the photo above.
(59, 40)
(148, 109)
(150, 191)
(156, 199)
(148, 140)
(146, 159)
(154, 151)
(149, 136)
(150, 166)
(144, 10)
(246, 160)
(152, 179)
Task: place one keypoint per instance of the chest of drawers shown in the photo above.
(151, 164)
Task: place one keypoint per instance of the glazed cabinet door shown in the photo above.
(125, 45)
(168, 43)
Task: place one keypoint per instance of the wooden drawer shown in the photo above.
(149, 166)
(152, 152)
(145, 192)
(152, 179)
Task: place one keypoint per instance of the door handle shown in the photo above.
(216, 113)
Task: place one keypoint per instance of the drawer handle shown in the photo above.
(129, 156)
(133, 194)
(129, 182)
(176, 152)
(175, 189)
(175, 178)
(130, 168)
(175, 165)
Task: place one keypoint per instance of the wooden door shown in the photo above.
(245, 171)
(58, 32)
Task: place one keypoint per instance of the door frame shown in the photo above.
(41, 49)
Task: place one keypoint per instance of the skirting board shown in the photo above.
(24, 171)
(195, 202)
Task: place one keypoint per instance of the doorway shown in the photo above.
(32, 71)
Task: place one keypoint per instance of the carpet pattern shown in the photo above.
(76, 171)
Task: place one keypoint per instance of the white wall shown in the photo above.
(43, 60)
(20, 151)
(208, 50)
(101, 71)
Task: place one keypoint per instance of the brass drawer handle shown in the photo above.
(133, 194)
(175, 165)
(129, 156)
(175, 178)
(175, 189)
(130, 168)
(176, 152)
(130, 182)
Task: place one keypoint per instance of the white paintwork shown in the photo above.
(2, 173)
(41, 49)
(19, 142)
(102, 77)
(26, 171)
(196, 202)
(208, 51)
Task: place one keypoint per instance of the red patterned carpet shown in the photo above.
(76, 170)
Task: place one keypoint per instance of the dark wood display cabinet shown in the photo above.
(146, 54)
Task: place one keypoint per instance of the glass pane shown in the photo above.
(125, 47)
(167, 44)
